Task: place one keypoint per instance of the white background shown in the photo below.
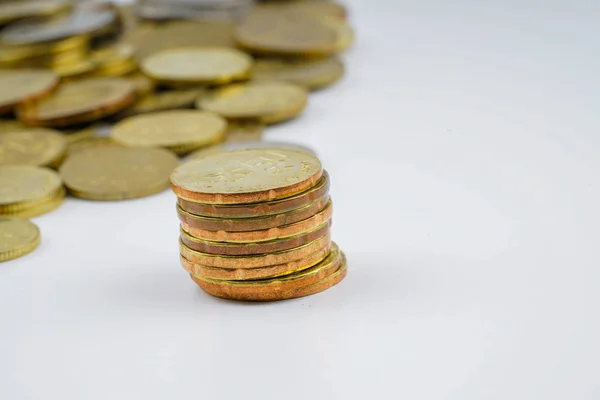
(463, 149)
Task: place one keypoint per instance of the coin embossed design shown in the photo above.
(24, 85)
(117, 173)
(17, 238)
(32, 146)
(246, 176)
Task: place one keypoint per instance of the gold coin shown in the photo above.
(44, 206)
(24, 85)
(167, 100)
(311, 74)
(268, 102)
(80, 101)
(32, 146)
(246, 176)
(197, 65)
(26, 187)
(17, 238)
(177, 130)
(15, 10)
(117, 173)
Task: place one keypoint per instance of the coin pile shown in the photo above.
(255, 224)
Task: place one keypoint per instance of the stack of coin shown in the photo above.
(255, 224)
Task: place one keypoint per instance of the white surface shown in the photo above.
(463, 147)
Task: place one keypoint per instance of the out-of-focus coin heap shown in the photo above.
(99, 99)
(255, 224)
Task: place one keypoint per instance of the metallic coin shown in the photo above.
(178, 130)
(243, 249)
(24, 187)
(265, 234)
(314, 280)
(246, 176)
(255, 261)
(80, 101)
(310, 74)
(266, 208)
(246, 145)
(268, 102)
(117, 173)
(253, 224)
(32, 146)
(24, 85)
(30, 210)
(197, 65)
(17, 238)
(162, 101)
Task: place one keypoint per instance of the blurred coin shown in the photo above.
(24, 85)
(32, 146)
(11, 11)
(310, 74)
(162, 101)
(18, 238)
(117, 173)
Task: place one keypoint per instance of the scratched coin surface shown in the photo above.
(17, 238)
(197, 65)
(311, 74)
(118, 173)
(24, 85)
(246, 176)
(177, 130)
(22, 184)
(268, 102)
(32, 146)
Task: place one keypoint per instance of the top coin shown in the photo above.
(15, 10)
(24, 85)
(17, 237)
(246, 176)
(197, 65)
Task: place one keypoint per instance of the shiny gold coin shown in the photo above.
(317, 279)
(255, 261)
(117, 173)
(24, 86)
(18, 237)
(320, 190)
(15, 10)
(81, 101)
(177, 130)
(32, 146)
(268, 102)
(246, 176)
(162, 101)
(263, 235)
(197, 65)
(24, 187)
(310, 74)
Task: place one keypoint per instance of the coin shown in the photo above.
(24, 86)
(345, 33)
(177, 130)
(247, 145)
(25, 188)
(310, 74)
(162, 101)
(246, 176)
(197, 65)
(117, 173)
(241, 249)
(81, 101)
(256, 223)
(268, 102)
(255, 261)
(32, 146)
(15, 10)
(314, 280)
(264, 234)
(266, 208)
(17, 238)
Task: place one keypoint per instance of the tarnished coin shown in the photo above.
(316, 279)
(246, 176)
(17, 238)
(80, 101)
(345, 33)
(162, 101)
(24, 85)
(117, 173)
(255, 261)
(29, 191)
(197, 65)
(268, 102)
(263, 235)
(310, 74)
(265, 208)
(33, 146)
(178, 130)
(15, 10)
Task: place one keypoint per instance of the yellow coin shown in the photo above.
(268, 102)
(80, 101)
(118, 173)
(15, 10)
(197, 65)
(32, 146)
(178, 130)
(246, 176)
(17, 238)
(167, 100)
(311, 74)
(23, 187)
(24, 85)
